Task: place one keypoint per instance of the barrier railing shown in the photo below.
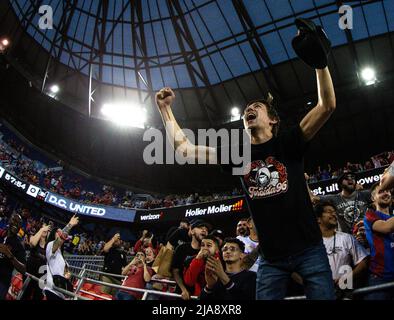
(84, 279)
(365, 290)
(84, 272)
(65, 292)
(145, 292)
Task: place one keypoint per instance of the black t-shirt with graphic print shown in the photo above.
(277, 196)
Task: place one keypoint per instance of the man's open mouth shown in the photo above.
(251, 116)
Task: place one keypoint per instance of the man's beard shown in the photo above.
(349, 189)
(384, 204)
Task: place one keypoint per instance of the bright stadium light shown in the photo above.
(54, 88)
(369, 76)
(235, 112)
(4, 43)
(125, 114)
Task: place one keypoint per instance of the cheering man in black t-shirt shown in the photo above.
(199, 229)
(274, 183)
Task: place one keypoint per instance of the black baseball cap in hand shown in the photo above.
(311, 44)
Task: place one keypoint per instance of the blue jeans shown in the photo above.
(311, 264)
(121, 295)
(387, 294)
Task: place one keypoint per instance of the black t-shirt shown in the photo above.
(278, 198)
(182, 257)
(114, 260)
(182, 252)
(36, 259)
(6, 267)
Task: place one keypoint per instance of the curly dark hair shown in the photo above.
(271, 111)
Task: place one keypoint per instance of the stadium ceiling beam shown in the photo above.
(369, 35)
(54, 43)
(183, 36)
(101, 35)
(101, 39)
(258, 47)
(95, 38)
(68, 13)
(26, 19)
(139, 41)
(390, 38)
(275, 23)
(352, 47)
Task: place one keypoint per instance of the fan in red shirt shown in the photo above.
(194, 273)
(138, 274)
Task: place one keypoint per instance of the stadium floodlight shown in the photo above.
(368, 75)
(4, 43)
(54, 88)
(125, 114)
(235, 114)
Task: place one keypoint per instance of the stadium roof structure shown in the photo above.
(217, 54)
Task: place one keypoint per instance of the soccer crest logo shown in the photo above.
(266, 178)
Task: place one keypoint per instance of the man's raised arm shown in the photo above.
(179, 141)
(326, 105)
(387, 181)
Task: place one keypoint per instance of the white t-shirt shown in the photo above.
(348, 252)
(55, 266)
(250, 245)
(242, 238)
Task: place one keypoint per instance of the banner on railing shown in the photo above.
(365, 178)
(70, 205)
(221, 207)
(92, 210)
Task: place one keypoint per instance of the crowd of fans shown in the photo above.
(17, 158)
(203, 261)
(377, 161)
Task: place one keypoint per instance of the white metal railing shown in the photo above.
(82, 279)
(84, 272)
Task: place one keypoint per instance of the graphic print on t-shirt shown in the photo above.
(266, 178)
(351, 214)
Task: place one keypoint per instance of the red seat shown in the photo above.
(96, 289)
(15, 287)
